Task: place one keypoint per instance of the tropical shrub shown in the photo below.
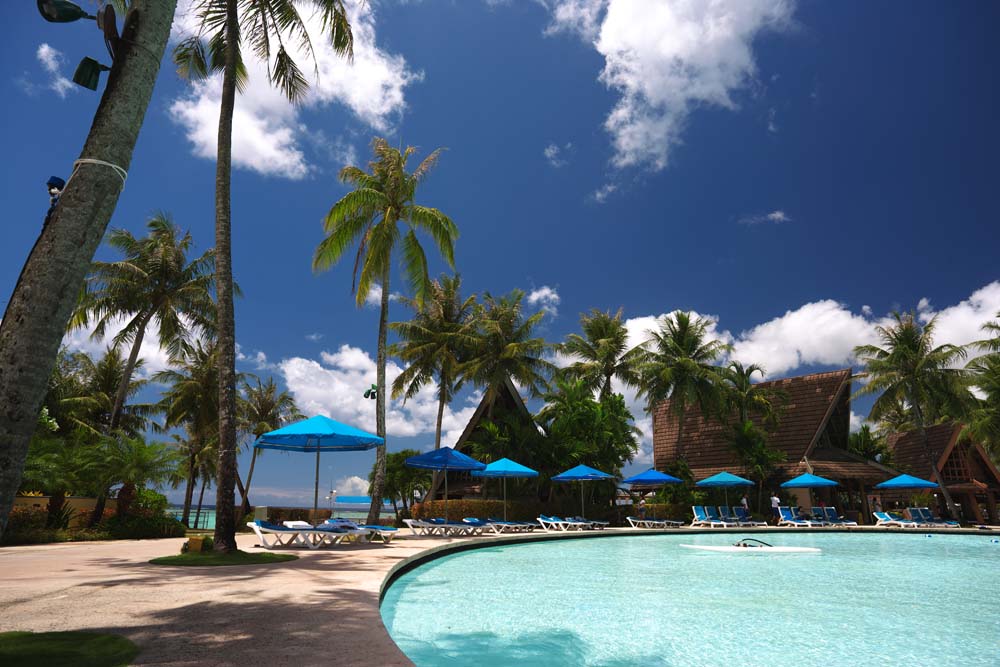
(136, 527)
(150, 503)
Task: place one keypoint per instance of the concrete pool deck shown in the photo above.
(322, 609)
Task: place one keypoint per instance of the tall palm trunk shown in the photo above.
(47, 289)
(57, 499)
(133, 357)
(126, 496)
(201, 498)
(245, 501)
(98, 512)
(379, 482)
(189, 489)
(225, 521)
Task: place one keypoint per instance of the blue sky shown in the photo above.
(794, 170)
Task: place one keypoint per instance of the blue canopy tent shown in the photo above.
(504, 469)
(318, 434)
(444, 459)
(581, 474)
(651, 479)
(725, 480)
(906, 482)
(808, 481)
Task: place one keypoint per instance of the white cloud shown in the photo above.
(602, 193)
(268, 133)
(961, 324)
(576, 16)
(155, 358)
(374, 297)
(314, 337)
(52, 60)
(545, 298)
(351, 486)
(258, 359)
(335, 386)
(772, 123)
(857, 421)
(556, 155)
(777, 217)
(823, 333)
(666, 59)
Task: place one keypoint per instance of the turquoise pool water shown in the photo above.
(866, 600)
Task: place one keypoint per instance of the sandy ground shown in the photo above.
(319, 610)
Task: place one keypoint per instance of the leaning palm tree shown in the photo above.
(370, 215)
(271, 27)
(155, 282)
(601, 354)
(505, 348)
(434, 343)
(677, 363)
(263, 408)
(907, 369)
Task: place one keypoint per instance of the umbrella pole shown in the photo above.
(504, 498)
(446, 496)
(316, 488)
(582, 516)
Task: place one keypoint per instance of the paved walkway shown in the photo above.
(321, 609)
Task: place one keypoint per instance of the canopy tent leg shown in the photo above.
(316, 488)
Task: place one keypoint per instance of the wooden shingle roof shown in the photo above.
(814, 424)
(964, 465)
(908, 449)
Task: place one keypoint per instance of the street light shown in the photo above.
(88, 72)
(62, 11)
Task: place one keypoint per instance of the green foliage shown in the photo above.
(30, 525)
(370, 214)
(757, 458)
(745, 397)
(150, 503)
(582, 430)
(65, 649)
(983, 422)
(681, 495)
(207, 544)
(908, 370)
(142, 527)
(435, 342)
(401, 481)
(216, 558)
(504, 348)
(871, 445)
(601, 354)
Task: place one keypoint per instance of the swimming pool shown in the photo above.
(872, 599)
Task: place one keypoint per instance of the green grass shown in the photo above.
(217, 558)
(65, 649)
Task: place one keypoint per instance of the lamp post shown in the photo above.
(88, 72)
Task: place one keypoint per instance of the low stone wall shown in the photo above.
(82, 507)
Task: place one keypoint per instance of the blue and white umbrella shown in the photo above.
(505, 469)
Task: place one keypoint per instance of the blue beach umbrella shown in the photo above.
(651, 479)
(725, 480)
(808, 481)
(504, 469)
(318, 434)
(444, 459)
(906, 482)
(581, 474)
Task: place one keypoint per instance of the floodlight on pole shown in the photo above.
(62, 11)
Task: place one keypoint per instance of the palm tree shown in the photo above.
(370, 215)
(208, 458)
(984, 419)
(191, 401)
(43, 299)
(758, 459)
(267, 25)
(677, 364)
(743, 395)
(433, 344)
(91, 409)
(154, 282)
(263, 408)
(991, 344)
(504, 348)
(602, 352)
(908, 369)
(137, 463)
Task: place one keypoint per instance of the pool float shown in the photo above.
(749, 545)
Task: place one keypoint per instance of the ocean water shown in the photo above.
(868, 600)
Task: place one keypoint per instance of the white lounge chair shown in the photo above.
(701, 519)
(383, 533)
(555, 524)
(886, 519)
(327, 533)
(272, 536)
(788, 518)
